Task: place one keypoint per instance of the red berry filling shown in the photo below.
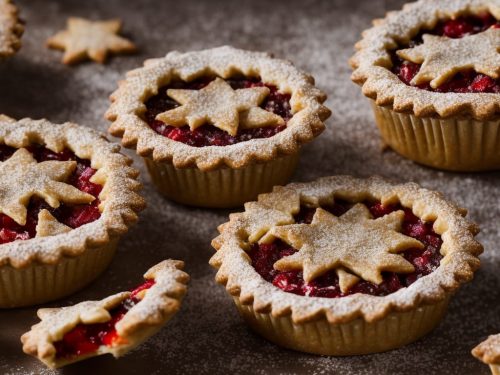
(424, 260)
(464, 82)
(87, 338)
(209, 135)
(73, 216)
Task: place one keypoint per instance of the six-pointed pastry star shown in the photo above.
(22, 177)
(443, 57)
(90, 39)
(220, 105)
(353, 241)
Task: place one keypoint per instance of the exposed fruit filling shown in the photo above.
(424, 260)
(73, 216)
(87, 338)
(208, 135)
(463, 82)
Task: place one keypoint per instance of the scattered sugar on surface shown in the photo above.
(207, 336)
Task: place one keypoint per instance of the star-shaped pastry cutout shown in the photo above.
(443, 57)
(48, 225)
(22, 177)
(218, 104)
(85, 39)
(353, 242)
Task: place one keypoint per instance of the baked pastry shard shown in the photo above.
(431, 71)
(115, 324)
(11, 29)
(344, 266)
(84, 39)
(66, 197)
(489, 353)
(44, 181)
(219, 126)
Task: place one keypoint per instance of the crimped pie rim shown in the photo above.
(243, 282)
(371, 60)
(128, 104)
(120, 206)
(14, 30)
(160, 303)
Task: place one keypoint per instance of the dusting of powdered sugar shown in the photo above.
(207, 336)
(459, 249)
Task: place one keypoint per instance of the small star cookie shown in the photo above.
(220, 105)
(443, 57)
(85, 39)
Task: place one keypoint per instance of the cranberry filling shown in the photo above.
(73, 216)
(209, 135)
(464, 82)
(87, 338)
(424, 260)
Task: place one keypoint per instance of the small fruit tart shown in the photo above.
(11, 29)
(488, 352)
(432, 72)
(115, 325)
(345, 266)
(66, 197)
(219, 126)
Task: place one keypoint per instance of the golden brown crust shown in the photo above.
(128, 107)
(159, 304)
(11, 29)
(120, 201)
(372, 62)
(85, 39)
(459, 249)
(489, 350)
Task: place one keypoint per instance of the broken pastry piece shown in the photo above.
(115, 324)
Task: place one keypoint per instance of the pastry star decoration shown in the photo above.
(48, 225)
(220, 105)
(21, 177)
(90, 39)
(443, 57)
(353, 242)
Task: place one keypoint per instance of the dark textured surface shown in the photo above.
(207, 336)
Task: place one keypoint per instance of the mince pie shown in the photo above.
(67, 195)
(345, 266)
(219, 126)
(489, 352)
(90, 40)
(432, 71)
(11, 29)
(114, 325)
